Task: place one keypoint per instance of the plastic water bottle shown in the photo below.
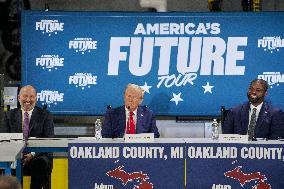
(215, 130)
(98, 129)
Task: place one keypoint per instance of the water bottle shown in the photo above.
(98, 129)
(215, 130)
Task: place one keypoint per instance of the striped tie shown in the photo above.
(26, 126)
(252, 124)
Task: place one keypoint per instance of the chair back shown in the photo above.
(224, 113)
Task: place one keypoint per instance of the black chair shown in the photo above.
(224, 113)
(44, 106)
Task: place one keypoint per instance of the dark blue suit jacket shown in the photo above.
(41, 123)
(269, 122)
(115, 122)
(41, 126)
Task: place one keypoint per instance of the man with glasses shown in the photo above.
(257, 117)
(131, 118)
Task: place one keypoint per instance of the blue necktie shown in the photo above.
(26, 126)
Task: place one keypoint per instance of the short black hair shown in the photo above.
(262, 82)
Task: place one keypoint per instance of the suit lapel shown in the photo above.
(33, 120)
(19, 120)
(139, 119)
(245, 116)
(262, 114)
(122, 120)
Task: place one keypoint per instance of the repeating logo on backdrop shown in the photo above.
(50, 97)
(49, 62)
(83, 80)
(272, 78)
(83, 45)
(271, 44)
(49, 27)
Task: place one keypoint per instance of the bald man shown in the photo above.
(40, 122)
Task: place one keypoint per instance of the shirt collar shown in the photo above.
(127, 111)
(29, 112)
(258, 107)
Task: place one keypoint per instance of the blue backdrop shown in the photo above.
(187, 63)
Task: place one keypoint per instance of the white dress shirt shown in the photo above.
(127, 112)
(257, 111)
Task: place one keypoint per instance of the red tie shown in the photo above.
(131, 124)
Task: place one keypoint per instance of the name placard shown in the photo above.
(233, 138)
(142, 138)
(11, 136)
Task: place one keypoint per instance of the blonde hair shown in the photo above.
(136, 88)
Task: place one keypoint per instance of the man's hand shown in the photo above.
(27, 158)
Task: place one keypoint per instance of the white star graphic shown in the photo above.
(207, 88)
(176, 98)
(146, 88)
